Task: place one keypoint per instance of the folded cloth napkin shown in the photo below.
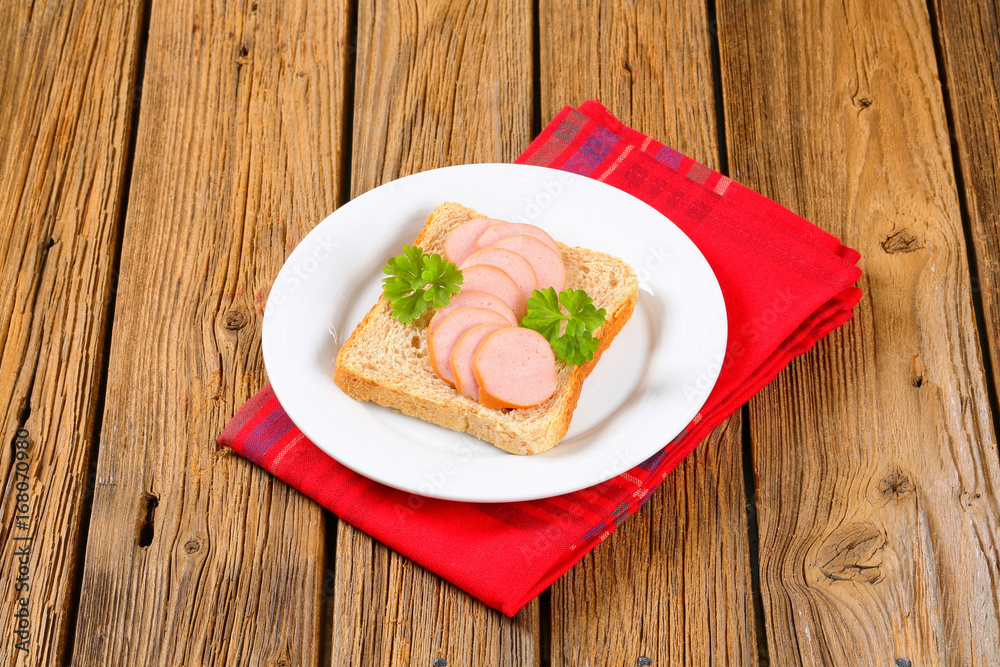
(786, 284)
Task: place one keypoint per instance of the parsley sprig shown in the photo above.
(576, 344)
(417, 281)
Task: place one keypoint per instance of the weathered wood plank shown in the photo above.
(878, 483)
(460, 82)
(672, 583)
(66, 83)
(196, 556)
(968, 32)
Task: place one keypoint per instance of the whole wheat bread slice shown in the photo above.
(387, 362)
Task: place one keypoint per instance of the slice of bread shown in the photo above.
(387, 362)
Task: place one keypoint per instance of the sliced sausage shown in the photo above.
(441, 342)
(490, 279)
(461, 242)
(500, 230)
(515, 368)
(546, 262)
(514, 265)
(461, 358)
(472, 298)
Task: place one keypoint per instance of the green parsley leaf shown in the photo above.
(575, 344)
(543, 314)
(576, 350)
(417, 281)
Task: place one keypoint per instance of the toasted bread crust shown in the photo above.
(411, 387)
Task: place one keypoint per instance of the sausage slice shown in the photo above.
(472, 298)
(461, 358)
(488, 278)
(441, 342)
(546, 262)
(514, 265)
(515, 368)
(461, 242)
(503, 229)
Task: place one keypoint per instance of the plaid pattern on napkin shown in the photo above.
(786, 283)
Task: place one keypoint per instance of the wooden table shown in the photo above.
(159, 161)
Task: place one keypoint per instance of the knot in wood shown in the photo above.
(236, 319)
(146, 525)
(192, 547)
(901, 241)
(918, 372)
(244, 56)
(852, 553)
(971, 500)
(895, 485)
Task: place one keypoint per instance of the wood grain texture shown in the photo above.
(672, 583)
(195, 556)
(878, 485)
(438, 83)
(968, 31)
(66, 84)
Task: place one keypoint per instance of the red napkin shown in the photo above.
(786, 283)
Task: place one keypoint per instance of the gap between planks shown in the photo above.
(749, 479)
(88, 497)
(963, 205)
(330, 519)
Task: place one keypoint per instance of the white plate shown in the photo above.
(648, 386)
